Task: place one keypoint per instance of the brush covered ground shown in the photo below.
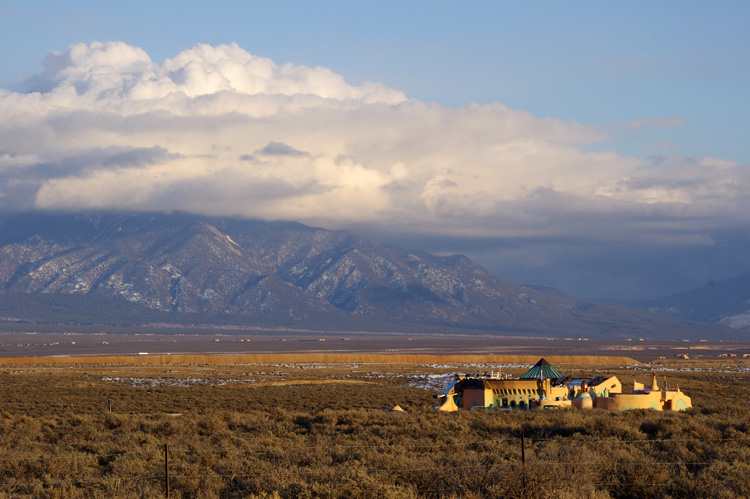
(310, 429)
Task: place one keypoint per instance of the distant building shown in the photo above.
(647, 398)
(544, 387)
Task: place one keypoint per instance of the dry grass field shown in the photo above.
(291, 426)
(32, 344)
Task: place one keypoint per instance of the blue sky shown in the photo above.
(603, 64)
(659, 86)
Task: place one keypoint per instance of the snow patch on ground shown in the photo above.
(421, 376)
(178, 382)
(719, 369)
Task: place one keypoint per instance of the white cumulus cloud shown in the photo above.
(221, 131)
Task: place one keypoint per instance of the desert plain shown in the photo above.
(282, 414)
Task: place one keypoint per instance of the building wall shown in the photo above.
(474, 397)
(607, 387)
(626, 401)
(657, 400)
(676, 401)
(515, 392)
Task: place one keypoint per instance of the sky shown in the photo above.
(597, 148)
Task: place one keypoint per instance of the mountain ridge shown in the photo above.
(203, 269)
(724, 302)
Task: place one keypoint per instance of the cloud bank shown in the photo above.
(220, 131)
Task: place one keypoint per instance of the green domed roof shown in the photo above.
(542, 370)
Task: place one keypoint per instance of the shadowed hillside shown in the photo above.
(726, 302)
(181, 268)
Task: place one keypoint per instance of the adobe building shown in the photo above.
(643, 397)
(544, 387)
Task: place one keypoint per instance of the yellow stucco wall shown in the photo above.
(657, 400)
(608, 386)
(515, 392)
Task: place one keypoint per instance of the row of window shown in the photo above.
(514, 391)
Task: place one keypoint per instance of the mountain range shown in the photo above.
(725, 302)
(110, 268)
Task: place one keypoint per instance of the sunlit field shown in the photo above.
(315, 429)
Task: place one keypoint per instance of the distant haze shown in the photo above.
(218, 130)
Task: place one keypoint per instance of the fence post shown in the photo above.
(523, 462)
(166, 470)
